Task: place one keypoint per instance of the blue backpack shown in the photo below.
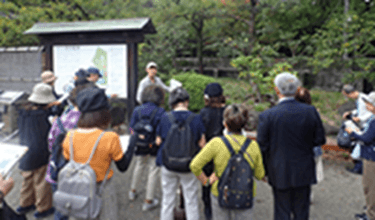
(343, 139)
(236, 183)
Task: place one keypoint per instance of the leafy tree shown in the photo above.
(260, 74)
(20, 15)
(353, 51)
(183, 25)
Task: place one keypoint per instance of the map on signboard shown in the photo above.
(111, 60)
(100, 62)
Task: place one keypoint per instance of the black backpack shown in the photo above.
(236, 183)
(144, 130)
(179, 147)
(57, 161)
(343, 139)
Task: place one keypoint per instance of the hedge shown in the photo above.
(194, 84)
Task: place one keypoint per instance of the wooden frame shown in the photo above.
(125, 31)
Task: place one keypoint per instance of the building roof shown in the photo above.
(131, 24)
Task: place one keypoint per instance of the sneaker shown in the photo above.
(362, 216)
(355, 170)
(132, 195)
(148, 206)
(23, 210)
(45, 213)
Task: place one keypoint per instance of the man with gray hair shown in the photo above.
(287, 134)
(360, 114)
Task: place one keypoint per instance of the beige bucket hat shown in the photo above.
(42, 94)
(48, 76)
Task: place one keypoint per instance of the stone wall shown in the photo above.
(327, 80)
(20, 68)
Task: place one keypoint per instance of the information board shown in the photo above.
(111, 60)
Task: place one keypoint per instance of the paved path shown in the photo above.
(338, 197)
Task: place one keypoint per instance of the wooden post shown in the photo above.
(48, 57)
(132, 77)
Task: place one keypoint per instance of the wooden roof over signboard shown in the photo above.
(132, 24)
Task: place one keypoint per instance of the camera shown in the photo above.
(349, 117)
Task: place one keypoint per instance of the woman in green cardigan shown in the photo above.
(235, 118)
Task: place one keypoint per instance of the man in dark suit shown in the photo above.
(286, 135)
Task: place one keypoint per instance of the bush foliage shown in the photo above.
(194, 84)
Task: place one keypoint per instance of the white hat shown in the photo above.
(42, 94)
(370, 98)
(151, 64)
(48, 76)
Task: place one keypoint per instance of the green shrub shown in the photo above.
(261, 107)
(194, 84)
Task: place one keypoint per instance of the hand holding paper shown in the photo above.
(6, 185)
(174, 84)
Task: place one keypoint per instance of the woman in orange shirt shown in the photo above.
(95, 118)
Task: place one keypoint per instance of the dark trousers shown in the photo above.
(292, 202)
(206, 191)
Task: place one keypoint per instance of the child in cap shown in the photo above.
(33, 127)
(212, 117)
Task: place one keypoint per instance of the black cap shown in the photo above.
(213, 90)
(93, 70)
(81, 73)
(92, 99)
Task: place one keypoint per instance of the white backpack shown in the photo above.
(77, 194)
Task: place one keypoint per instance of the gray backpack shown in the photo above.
(77, 194)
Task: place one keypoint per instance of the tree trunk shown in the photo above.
(252, 27)
(200, 45)
(346, 9)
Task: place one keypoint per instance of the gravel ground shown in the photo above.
(338, 197)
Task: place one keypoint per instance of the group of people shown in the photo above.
(184, 149)
(289, 137)
(45, 115)
(360, 126)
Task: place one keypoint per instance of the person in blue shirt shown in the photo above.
(368, 156)
(179, 102)
(152, 99)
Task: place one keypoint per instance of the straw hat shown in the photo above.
(42, 94)
(48, 76)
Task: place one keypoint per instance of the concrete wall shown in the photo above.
(20, 68)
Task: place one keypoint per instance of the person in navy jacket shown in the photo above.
(287, 134)
(152, 98)
(368, 156)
